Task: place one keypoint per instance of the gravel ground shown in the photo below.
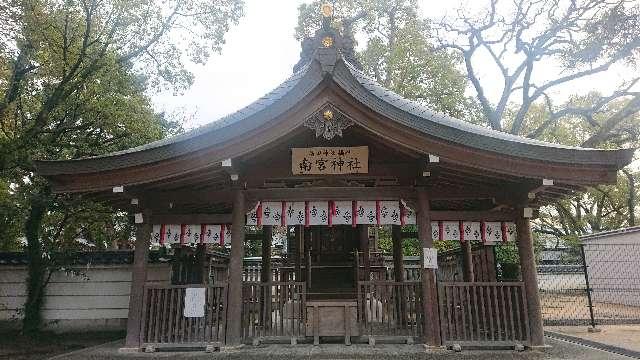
(558, 350)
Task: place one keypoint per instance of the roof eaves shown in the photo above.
(413, 114)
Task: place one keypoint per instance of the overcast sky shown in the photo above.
(260, 53)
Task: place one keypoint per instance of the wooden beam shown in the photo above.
(447, 215)
(191, 219)
(331, 193)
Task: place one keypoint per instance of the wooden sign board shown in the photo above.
(430, 258)
(330, 160)
(194, 302)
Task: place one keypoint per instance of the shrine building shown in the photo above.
(326, 158)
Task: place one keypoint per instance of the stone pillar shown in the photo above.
(138, 279)
(364, 249)
(398, 261)
(429, 286)
(529, 277)
(467, 262)
(234, 304)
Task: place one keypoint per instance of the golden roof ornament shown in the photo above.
(328, 122)
(327, 41)
(327, 10)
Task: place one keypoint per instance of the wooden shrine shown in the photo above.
(326, 155)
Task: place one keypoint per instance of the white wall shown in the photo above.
(613, 265)
(98, 299)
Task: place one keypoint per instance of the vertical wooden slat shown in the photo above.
(517, 311)
(155, 315)
(170, 315)
(510, 309)
(497, 313)
(490, 313)
(450, 311)
(176, 315)
(469, 309)
(504, 313)
(476, 309)
(525, 313)
(145, 315)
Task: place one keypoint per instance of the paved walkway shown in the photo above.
(559, 350)
(622, 339)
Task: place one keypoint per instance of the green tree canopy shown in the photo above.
(74, 78)
(396, 50)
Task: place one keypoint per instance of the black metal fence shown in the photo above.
(591, 284)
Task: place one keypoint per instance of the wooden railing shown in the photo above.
(389, 308)
(274, 309)
(164, 323)
(253, 273)
(483, 313)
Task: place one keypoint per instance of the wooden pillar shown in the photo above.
(138, 279)
(307, 254)
(267, 235)
(530, 278)
(364, 249)
(299, 255)
(202, 264)
(266, 276)
(376, 237)
(490, 256)
(398, 272)
(234, 304)
(398, 261)
(429, 286)
(467, 262)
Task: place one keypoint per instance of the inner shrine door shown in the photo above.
(330, 258)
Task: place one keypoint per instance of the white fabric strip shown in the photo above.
(389, 213)
(318, 213)
(366, 212)
(343, 214)
(192, 234)
(294, 214)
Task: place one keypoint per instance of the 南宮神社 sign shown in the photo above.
(330, 160)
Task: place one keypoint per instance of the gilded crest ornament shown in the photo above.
(327, 41)
(326, 9)
(328, 122)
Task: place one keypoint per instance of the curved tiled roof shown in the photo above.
(419, 117)
(365, 90)
(249, 117)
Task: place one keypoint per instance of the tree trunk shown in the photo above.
(631, 200)
(36, 280)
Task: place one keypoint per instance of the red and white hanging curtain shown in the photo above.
(489, 232)
(331, 213)
(190, 234)
(379, 212)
